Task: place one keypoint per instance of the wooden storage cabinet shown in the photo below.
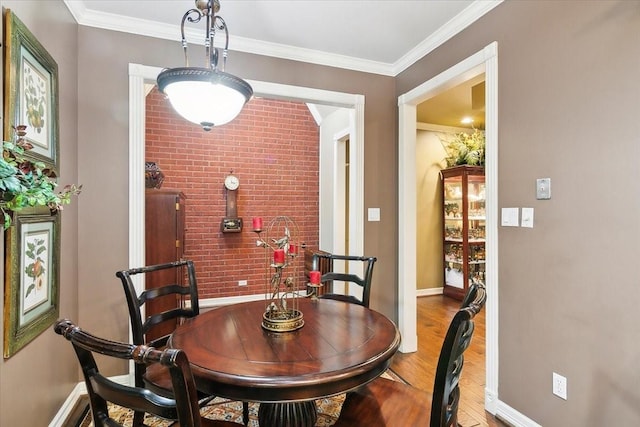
(464, 228)
(164, 242)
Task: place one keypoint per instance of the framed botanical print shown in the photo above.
(31, 297)
(31, 92)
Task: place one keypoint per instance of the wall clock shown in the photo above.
(231, 223)
(231, 182)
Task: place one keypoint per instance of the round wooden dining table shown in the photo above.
(341, 346)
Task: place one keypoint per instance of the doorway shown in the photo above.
(342, 216)
(139, 75)
(484, 61)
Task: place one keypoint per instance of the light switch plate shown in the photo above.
(543, 188)
(510, 217)
(373, 214)
(527, 218)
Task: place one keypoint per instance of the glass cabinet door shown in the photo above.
(464, 228)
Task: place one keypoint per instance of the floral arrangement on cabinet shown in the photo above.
(26, 182)
(465, 148)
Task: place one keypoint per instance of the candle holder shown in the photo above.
(281, 275)
(314, 284)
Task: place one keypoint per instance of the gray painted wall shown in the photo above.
(42, 374)
(568, 109)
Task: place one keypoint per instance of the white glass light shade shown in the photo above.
(203, 96)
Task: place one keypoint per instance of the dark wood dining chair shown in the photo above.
(390, 403)
(165, 303)
(183, 407)
(168, 303)
(364, 282)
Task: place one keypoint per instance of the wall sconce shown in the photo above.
(206, 96)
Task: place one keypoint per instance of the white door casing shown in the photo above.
(484, 61)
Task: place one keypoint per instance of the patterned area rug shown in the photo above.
(222, 409)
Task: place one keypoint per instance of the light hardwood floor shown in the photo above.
(418, 369)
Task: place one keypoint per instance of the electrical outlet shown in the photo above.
(242, 283)
(560, 386)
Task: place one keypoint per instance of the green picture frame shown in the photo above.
(31, 92)
(31, 289)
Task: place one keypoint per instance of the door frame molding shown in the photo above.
(484, 61)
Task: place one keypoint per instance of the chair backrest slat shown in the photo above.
(150, 294)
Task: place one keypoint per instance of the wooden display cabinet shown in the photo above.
(164, 242)
(464, 228)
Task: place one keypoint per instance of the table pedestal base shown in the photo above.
(294, 414)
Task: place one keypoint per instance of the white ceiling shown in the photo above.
(377, 36)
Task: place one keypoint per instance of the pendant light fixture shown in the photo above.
(205, 95)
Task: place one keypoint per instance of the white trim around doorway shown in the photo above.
(484, 61)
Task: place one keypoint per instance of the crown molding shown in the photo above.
(468, 16)
(107, 21)
(259, 47)
(125, 24)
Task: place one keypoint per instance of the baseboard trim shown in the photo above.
(491, 400)
(513, 418)
(67, 408)
(429, 292)
(217, 302)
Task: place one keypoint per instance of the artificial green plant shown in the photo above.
(465, 149)
(25, 182)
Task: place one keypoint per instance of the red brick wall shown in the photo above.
(272, 147)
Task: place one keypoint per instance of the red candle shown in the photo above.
(257, 223)
(314, 277)
(278, 256)
(293, 249)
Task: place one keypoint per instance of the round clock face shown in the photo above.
(231, 182)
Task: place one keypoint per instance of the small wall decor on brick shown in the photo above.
(273, 148)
